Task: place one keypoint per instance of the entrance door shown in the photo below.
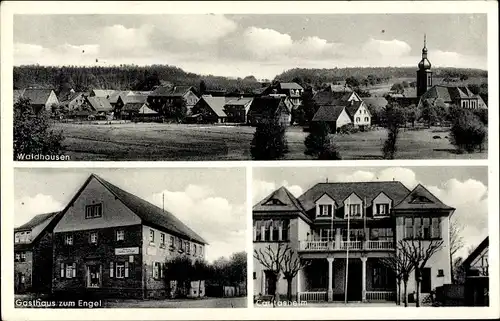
(94, 276)
(354, 284)
(270, 283)
(426, 285)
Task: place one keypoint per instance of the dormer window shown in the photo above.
(382, 209)
(325, 210)
(354, 210)
(274, 201)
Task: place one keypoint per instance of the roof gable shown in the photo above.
(37, 226)
(216, 104)
(99, 104)
(421, 198)
(477, 251)
(37, 96)
(279, 200)
(328, 113)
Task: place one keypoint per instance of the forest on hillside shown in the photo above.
(133, 77)
(123, 77)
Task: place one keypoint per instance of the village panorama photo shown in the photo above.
(200, 87)
(385, 237)
(129, 238)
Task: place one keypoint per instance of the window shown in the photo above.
(151, 236)
(354, 210)
(120, 270)
(381, 234)
(120, 235)
(17, 237)
(417, 224)
(326, 234)
(440, 273)
(254, 275)
(271, 230)
(61, 274)
(172, 240)
(408, 228)
(357, 119)
(382, 209)
(325, 210)
(68, 270)
(162, 239)
(93, 211)
(380, 277)
(156, 270)
(93, 238)
(366, 118)
(68, 240)
(195, 249)
(426, 231)
(436, 228)
(17, 257)
(188, 247)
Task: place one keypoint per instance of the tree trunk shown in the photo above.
(417, 300)
(199, 288)
(398, 298)
(276, 293)
(451, 270)
(405, 285)
(289, 289)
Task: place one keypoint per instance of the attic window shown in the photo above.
(274, 201)
(420, 199)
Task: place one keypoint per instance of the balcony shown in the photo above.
(325, 246)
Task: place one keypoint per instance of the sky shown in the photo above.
(251, 44)
(464, 188)
(216, 212)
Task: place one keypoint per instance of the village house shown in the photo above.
(40, 99)
(110, 243)
(102, 93)
(237, 109)
(130, 105)
(292, 90)
(209, 109)
(72, 100)
(346, 110)
(99, 106)
(270, 107)
(476, 267)
(33, 254)
(447, 96)
(369, 219)
(166, 95)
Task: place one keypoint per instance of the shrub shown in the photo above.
(347, 129)
(468, 133)
(32, 133)
(319, 143)
(269, 141)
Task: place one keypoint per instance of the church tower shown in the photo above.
(424, 73)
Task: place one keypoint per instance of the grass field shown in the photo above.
(152, 141)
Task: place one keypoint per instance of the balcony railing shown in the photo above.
(380, 295)
(344, 245)
(312, 296)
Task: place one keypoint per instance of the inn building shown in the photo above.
(334, 225)
(111, 243)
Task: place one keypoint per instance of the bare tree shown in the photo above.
(419, 251)
(402, 266)
(291, 265)
(271, 258)
(456, 243)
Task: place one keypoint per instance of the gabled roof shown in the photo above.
(353, 107)
(104, 93)
(477, 251)
(216, 104)
(145, 110)
(267, 104)
(290, 85)
(376, 102)
(365, 190)
(134, 99)
(99, 104)
(150, 213)
(421, 198)
(18, 93)
(177, 91)
(37, 96)
(239, 101)
(133, 107)
(37, 225)
(328, 113)
(70, 96)
(285, 201)
(447, 93)
(326, 97)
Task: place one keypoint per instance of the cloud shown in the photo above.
(219, 222)
(384, 48)
(315, 47)
(120, 39)
(404, 175)
(261, 189)
(92, 49)
(470, 200)
(266, 43)
(198, 29)
(27, 207)
(23, 50)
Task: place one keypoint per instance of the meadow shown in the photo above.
(181, 142)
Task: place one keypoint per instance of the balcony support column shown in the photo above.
(363, 278)
(330, 278)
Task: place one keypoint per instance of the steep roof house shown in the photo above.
(99, 104)
(167, 95)
(33, 254)
(211, 109)
(292, 90)
(460, 96)
(237, 109)
(269, 107)
(40, 99)
(113, 243)
(344, 230)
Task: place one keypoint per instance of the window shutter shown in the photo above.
(161, 270)
(74, 270)
(111, 269)
(62, 270)
(126, 269)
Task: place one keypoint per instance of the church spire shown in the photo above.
(424, 63)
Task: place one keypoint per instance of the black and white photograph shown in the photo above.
(125, 238)
(381, 236)
(213, 87)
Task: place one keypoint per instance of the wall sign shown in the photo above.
(126, 250)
